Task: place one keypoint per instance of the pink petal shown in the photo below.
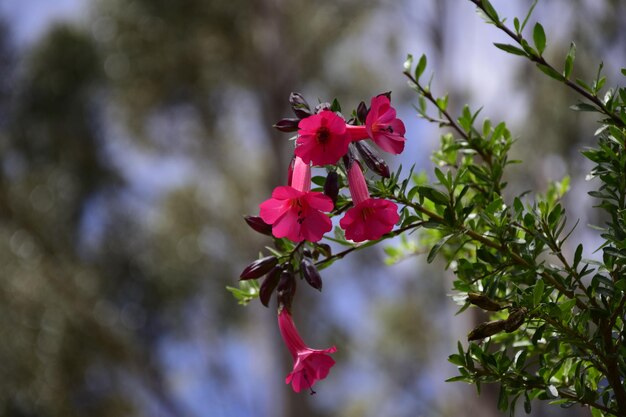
(386, 116)
(389, 142)
(290, 334)
(297, 381)
(374, 225)
(322, 154)
(272, 209)
(319, 201)
(378, 107)
(335, 123)
(314, 226)
(398, 127)
(375, 228)
(310, 365)
(288, 226)
(319, 365)
(353, 225)
(309, 124)
(285, 192)
(386, 211)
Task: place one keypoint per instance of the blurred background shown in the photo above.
(134, 134)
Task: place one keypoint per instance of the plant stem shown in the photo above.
(391, 234)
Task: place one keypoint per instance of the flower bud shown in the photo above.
(361, 112)
(286, 290)
(486, 329)
(515, 319)
(373, 161)
(324, 249)
(310, 273)
(331, 186)
(258, 225)
(258, 268)
(269, 285)
(386, 94)
(484, 302)
(287, 125)
(299, 105)
(348, 159)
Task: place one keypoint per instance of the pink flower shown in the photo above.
(295, 212)
(310, 365)
(370, 218)
(322, 138)
(382, 126)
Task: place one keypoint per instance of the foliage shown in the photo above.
(557, 321)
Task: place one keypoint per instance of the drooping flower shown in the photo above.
(370, 218)
(294, 211)
(382, 126)
(322, 138)
(310, 365)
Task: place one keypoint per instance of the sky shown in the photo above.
(30, 18)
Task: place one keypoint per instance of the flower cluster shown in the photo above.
(324, 138)
(294, 212)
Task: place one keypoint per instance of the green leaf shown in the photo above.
(503, 399)
(491, 12)
(538, 292)
(578, 255)
(567, 306)
(318, 180)
(623, 72)
(442, 178)
(583, 107)
(442, 103)
(458, 378)
(435, 249)
(569, 60)
(539, 36)
(597, 86)
(530, 11)
(583, 84)
(421, 66)
(433, 195)
(520, 359)
(527, 405)
(550, 72)
(408, 63)
(510, 49)
(335, 106)
(457, 359)
(247, 291)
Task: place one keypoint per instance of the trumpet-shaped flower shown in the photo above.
(310, 365)
(294, 211)
(370, 218)
(382, 126)
(322, 138)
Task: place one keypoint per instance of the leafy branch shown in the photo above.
(536, 56)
